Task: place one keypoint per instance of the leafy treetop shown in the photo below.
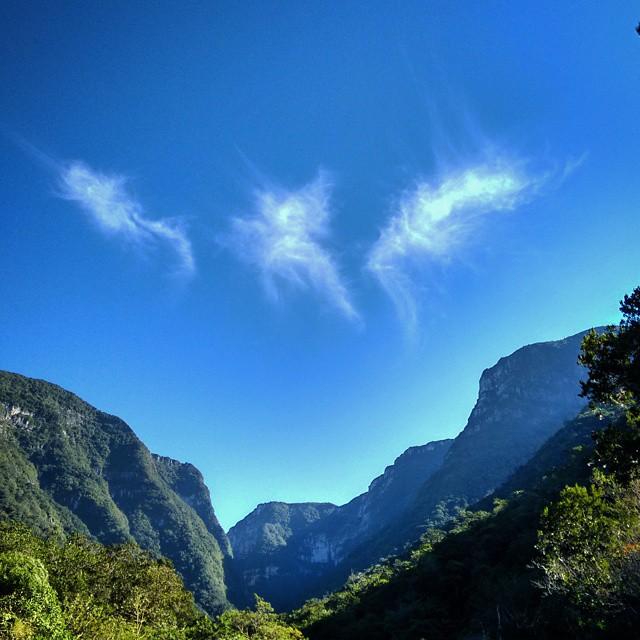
(613, 361)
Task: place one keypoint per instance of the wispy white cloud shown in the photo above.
(283, 239)
(106, 199)
(433, 221)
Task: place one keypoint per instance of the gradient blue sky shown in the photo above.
(282, 240)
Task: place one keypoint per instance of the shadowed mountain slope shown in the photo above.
(280, 550)
(524, 399)
(477, 581)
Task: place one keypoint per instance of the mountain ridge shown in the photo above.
(82, 470)
(534, 388)
(67, 466)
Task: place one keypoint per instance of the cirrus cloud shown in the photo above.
(283, 238)
(107, 201)
(432, 221)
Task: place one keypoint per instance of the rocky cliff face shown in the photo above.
(523, 400)
(281, 550)
(270, 526)
(260, 542)
(188, 483)
(65, 467)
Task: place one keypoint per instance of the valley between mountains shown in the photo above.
(67, 467)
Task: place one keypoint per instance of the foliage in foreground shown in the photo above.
(590, 537)
(261, 624)
(589, 545)
(81, 589)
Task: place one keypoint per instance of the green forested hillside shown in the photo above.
(470, 576)
(66, 467)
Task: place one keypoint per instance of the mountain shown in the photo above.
(188, 484)
(270, 526)
(281, 549)
(67, 467)
(476, 579)
(259, 537)
(523, 400)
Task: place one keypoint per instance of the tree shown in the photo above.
(589, 540)
(53, 590)
(589, 546)
(260, 624)
(612, 359)
(29, 607)
(580, 534)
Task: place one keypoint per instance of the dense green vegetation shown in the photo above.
(52, 590)
(82, 589)
(66, 467)
(473, 575)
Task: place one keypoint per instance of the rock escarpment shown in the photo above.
(523, 400)
(281, 550)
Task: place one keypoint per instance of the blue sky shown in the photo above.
(283, 239)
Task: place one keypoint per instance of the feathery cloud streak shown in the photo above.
(431, 222)
(106, 200)
(283, 240)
